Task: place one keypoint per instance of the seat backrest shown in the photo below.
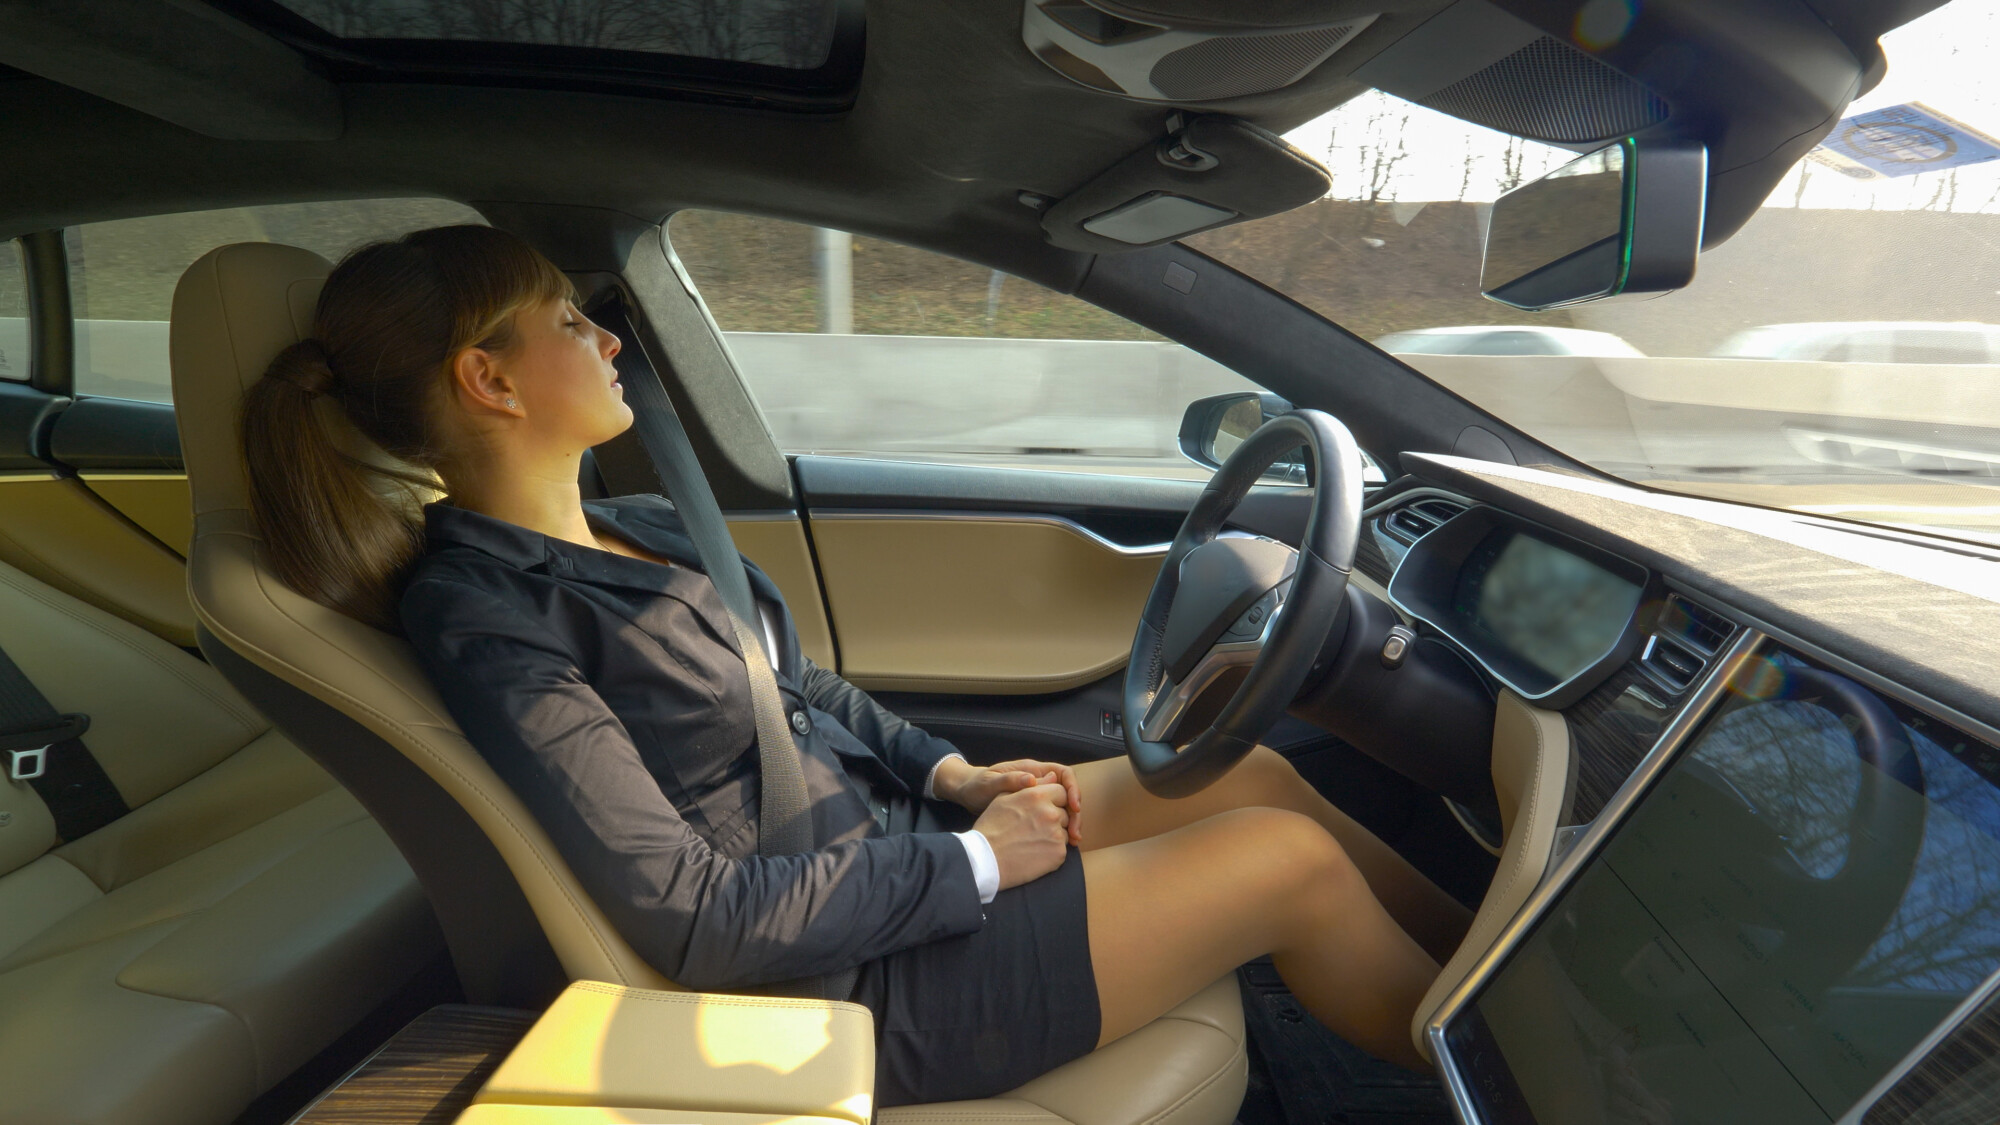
(234, 309)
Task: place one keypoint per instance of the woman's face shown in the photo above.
(560, 365)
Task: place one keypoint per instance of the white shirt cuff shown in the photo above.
(930, 779)
(985, 866)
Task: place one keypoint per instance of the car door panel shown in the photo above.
(776, 542)
(55, 529)
(978, 602)
(158, 502)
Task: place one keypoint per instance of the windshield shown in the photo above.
(1840, 355)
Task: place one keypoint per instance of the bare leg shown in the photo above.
(1118, 810)
(1173, 912)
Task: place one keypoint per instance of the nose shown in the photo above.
(610, 344)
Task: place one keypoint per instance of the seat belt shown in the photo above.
(44, 748)
(784, 823)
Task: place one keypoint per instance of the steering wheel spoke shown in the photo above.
(1238, 647)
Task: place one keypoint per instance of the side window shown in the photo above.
(13, 312)
(122, 273)
(866, 348)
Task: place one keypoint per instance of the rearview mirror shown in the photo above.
(1624, 219)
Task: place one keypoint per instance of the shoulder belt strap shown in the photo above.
(784, 822)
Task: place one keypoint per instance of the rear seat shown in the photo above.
(174, 964)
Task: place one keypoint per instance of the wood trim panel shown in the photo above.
(427, 1073)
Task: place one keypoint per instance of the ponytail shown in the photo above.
(332, 532)
(341, 523)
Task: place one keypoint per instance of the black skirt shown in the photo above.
(979, 1014)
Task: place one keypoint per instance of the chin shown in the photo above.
(618, 423)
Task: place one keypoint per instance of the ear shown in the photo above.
(482, 383)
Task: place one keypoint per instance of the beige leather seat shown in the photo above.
(233, 310)
(172, 965)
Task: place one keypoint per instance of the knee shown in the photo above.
(1270, 780)
(1306, 866)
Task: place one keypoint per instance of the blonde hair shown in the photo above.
(340, 528)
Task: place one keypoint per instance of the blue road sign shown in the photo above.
(1903, 140)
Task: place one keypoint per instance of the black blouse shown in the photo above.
(609, 693)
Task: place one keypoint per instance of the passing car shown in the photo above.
(1505, 339)
(1868, 342)
(982, 317)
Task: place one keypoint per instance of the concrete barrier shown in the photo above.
(1116, 405)
(13, 347)
(1705, 415)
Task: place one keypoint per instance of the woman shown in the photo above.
(590, 661)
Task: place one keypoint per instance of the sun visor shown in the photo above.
(1190, 50)
(1213, 171)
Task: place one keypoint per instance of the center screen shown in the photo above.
(1546, 605)
(1809, 890)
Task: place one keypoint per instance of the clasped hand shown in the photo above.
(1029, 811)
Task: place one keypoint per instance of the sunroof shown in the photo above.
(794, 34)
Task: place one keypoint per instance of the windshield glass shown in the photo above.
(1840, 355)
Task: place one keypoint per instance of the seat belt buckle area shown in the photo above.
(27, 765)
(28, 749)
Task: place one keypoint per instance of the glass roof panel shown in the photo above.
(795, 34)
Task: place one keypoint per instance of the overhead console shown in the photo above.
(1757, 86)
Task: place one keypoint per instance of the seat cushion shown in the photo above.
(181, 995)
(1189, 1067)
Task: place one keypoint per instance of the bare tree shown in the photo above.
(1513, 160)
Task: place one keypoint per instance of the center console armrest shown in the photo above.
(606, 1053)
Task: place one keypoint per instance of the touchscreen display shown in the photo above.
(1810, 889)
(1548, 606)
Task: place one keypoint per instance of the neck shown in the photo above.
(539, 494)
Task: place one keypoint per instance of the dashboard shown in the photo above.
(1777, 894)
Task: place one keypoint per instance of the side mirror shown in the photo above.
(1213, 427)
(1624, 219)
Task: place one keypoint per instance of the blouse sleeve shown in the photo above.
(908, 750)
(704, 920)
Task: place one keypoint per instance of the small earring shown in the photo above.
(512, 405)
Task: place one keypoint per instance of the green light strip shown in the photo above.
(1628, 216)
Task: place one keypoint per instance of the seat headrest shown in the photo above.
(234, 310)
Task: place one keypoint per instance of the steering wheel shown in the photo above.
(1225, 603)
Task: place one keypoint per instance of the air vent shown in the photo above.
(1673, 664)
(1413, 521)
(1685, 639)
(1704, 630)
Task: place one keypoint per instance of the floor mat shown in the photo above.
(1321, 1079)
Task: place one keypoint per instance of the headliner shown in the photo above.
(952, 119)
